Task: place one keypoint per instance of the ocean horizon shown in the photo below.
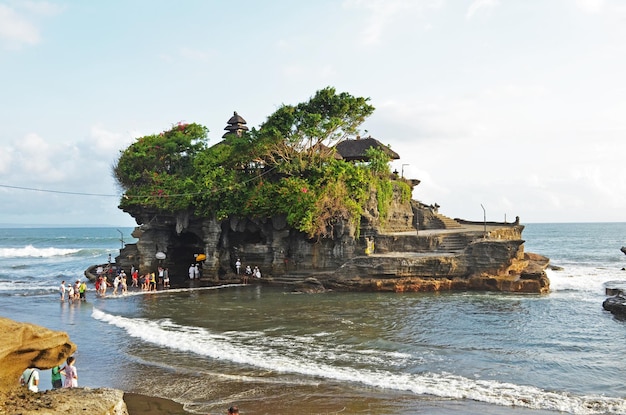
(269, 350)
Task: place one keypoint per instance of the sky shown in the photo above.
(501, 108)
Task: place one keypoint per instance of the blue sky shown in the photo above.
(516, 105)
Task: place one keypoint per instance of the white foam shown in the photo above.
(30, 251)
(582, 279)
(133, 291)
(290, 354)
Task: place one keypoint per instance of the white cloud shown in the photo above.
(194, 54)
(38, 160)
(108, 142)
(6, 159)
(320, 73)
(590, 6)
(478, 5)
(16, 30)
(18, 25)
(383, 13)
(44, 8)
(442, 118)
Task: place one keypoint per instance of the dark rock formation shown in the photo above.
(616, 305)
(623, 249)
(310, 286)
(413, 249)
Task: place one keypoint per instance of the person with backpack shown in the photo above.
(30, 379)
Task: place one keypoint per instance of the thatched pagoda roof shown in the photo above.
(354, 150)
(236, 125)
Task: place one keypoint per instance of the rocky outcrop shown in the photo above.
(483, 266)
(102, 401)
(414, 249)
(616, 305)
(26, 345)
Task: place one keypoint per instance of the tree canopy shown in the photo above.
(286, 166)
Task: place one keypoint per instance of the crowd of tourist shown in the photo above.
(117, 279)
(73, 292)
(148, 281)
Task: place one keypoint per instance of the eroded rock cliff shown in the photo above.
(26, 345)
(414, 248)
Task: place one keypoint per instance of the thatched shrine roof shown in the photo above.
(236, 125)
(354, 150)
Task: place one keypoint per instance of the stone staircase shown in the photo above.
(452, 243)
(443, 222)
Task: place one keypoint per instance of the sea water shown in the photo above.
(272, 351)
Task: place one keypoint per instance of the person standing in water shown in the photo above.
(82, 290)
(62, 290)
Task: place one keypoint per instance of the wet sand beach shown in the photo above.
(138, 404)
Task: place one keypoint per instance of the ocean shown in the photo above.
(271, 351)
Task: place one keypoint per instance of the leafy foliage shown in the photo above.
(158, 170)
(287, 166)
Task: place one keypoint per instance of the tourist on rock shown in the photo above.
(135, 277)
(166, 278)
(56, 378)
(153, 285)
(161, 276)
(192, 271)
(146, 282)
(238, 265)
(30, 379)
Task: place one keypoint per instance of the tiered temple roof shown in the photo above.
(236, 125)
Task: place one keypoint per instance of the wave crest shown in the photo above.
(30, 251)
(265, 355)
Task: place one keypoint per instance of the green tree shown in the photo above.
(157, 170)
(287, 166)
(294, 137)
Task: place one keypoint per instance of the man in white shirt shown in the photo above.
(30, 379)
(62, 290)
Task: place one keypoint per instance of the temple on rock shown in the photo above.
(411, 248)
